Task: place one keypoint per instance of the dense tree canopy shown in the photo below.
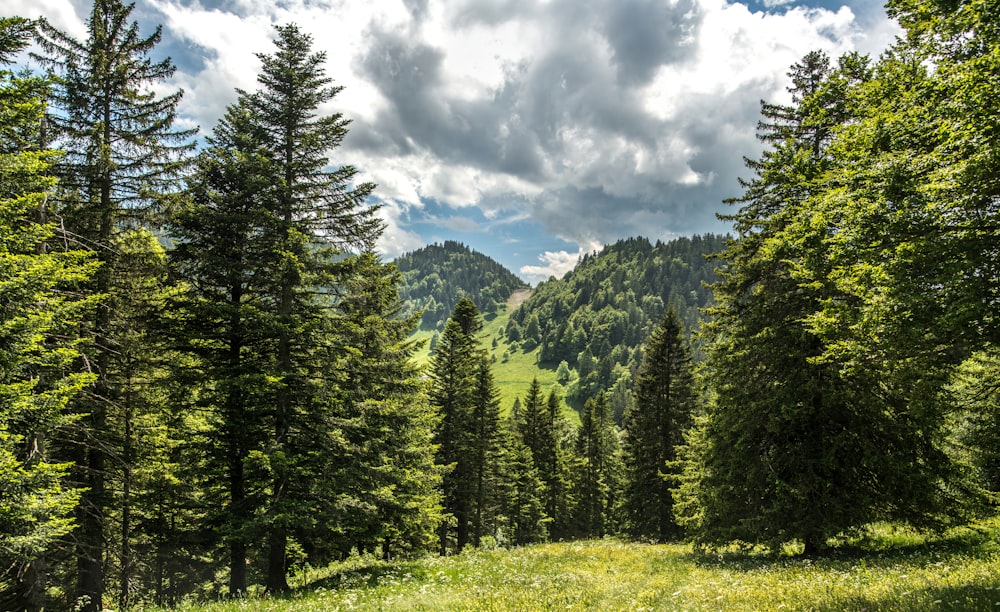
(437, 276)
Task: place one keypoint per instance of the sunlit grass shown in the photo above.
(889, 570)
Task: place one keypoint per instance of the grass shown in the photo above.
(891, 569)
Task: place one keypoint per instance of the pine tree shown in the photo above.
(272, 299)
(520, 507)
(486, 445)
(38, 376)
(664, 403)
(799, 445)
(316, 214)
(381, 486)
(122, 154)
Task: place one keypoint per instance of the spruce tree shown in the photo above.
(123, 154)
(520, 507)
(221, 319)
(381, 485)
(316, 214)
(273, 299)
(799, 445)
(38, 373)
(598, 475)
(466, 400)
(486, 445)
(664, 403)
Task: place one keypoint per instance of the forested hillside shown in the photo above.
(437, 276)
(597, 316)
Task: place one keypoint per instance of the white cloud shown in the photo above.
(556, 263)
(63, 14)
(396, 239)
(597, 120)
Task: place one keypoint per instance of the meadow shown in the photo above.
(889, 568)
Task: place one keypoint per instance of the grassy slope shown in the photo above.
(894, 570)
(513, 376)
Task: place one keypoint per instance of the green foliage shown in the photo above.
(123, 158)
(665, 401)
(39, 373)
(436, 276)
(598, 471)
(843, 307)
(462, 388)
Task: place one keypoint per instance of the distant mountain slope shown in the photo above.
(597, 316)
(436, 276)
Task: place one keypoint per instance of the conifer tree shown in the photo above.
(123, 154)
(655, 424)
(598, 470)
(486, 445)
(316, 214)
(381, 486)
(38, 377)
(454, 372)
(798, 444)
(520, 507)
(222, 318)
(274, 295)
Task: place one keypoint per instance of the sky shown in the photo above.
(531, 130)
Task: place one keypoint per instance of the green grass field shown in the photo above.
(892, 569)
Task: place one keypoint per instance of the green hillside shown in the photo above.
(596, 318)
(513, 369)
(437, 276)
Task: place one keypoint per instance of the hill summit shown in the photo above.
(435, 277)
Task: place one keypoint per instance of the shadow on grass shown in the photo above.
(874, 551)
(967, 597)
(363, 575)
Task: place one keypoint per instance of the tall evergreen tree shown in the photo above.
(381, 487)
(454, 373)
(486, 445)
(538, 431)
(37, 373)
(316, 214)
(224, 257)
(761, 354)
(599, 470)
(798, 445)
(123, 153)
(273, 296)
(664, 403)
(520, 507)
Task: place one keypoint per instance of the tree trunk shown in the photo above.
(277, 563)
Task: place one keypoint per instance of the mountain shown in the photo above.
(598, 315)
(437, 276)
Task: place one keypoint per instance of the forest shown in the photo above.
(437, 276)
(207, 375)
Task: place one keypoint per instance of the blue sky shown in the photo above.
(531, 130)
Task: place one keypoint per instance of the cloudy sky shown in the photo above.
(531, 130)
